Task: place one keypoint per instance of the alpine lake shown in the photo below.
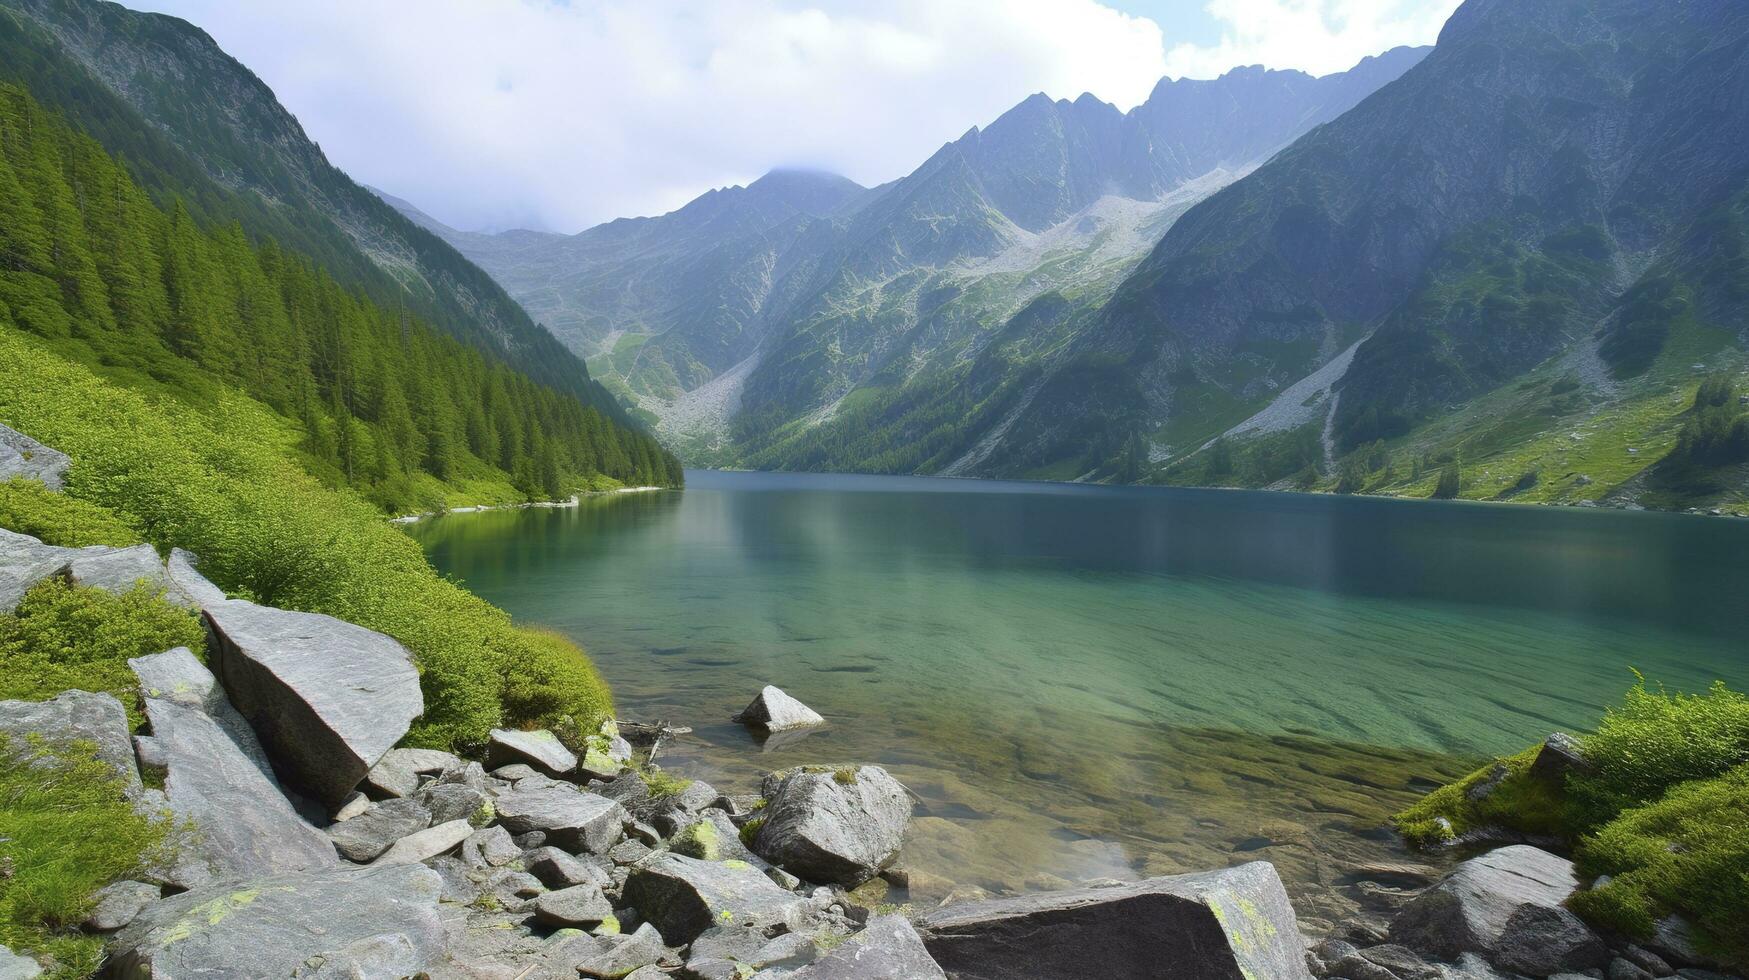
(1086, 682)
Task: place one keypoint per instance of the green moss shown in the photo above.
(61, 638)
(65, 832)
(699, 840)
(29, 507)
(1519, 802)
(844, 777)
(750, 831)
(663, 785)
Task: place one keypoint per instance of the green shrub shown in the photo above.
(62, 637)
(1450, 483)
(29, 507)
(65, 832)
(1656, 740)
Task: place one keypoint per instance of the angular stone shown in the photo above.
(427, 843)
(397, 772)
(354, 805)
(22, 456)
(837, 826)
(329, 699)
(1560, 755)
(25, 562)
(577, 906)
(514, 772)
(368, 835)
(454, 801)
(188, 586)
(540, 749)
(618, 956)
(1219, 925)
(72, 717)
(16, 967)
(774, 711)
(1506, 905)
(218, 779)
(119, 903)
(571, 819)
(372, 922)
(684, 896)
(557, 869)
(888, 948)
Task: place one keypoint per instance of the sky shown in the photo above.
(561, 114)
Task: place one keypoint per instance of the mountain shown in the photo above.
(1520, 258)
(196, 126)
(757, 322)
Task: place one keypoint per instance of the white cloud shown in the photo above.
(539, 112)
(1317, 36)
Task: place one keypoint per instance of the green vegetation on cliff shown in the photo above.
(1661, 806)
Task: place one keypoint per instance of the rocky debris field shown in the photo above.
(312, 846)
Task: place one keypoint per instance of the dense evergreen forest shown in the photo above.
(90, 262)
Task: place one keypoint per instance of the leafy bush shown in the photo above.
(29, 507)
(61, 638)
(1656, 740)
(65, 832)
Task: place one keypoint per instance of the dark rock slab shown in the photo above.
(369, 834)
(329, 699)
(569, 818)
(22, 456)
(1232, 924)
(370, 922)
(217, 778)
(1560, 756)
(684, 896)
(72, 717)
(1507, 906)
(888, 948)
(540, 749)
(836, 826)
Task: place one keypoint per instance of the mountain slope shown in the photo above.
(1520, 200)
(778, 304)
(195, 125)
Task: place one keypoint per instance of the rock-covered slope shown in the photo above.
(196, 126)
(753, 319)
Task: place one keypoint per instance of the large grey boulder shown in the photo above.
(217, 778)
(329, 699)
(16, 967)
(1233, 924)
(682, 896)
(888, 948)
(1506, 905)
(22, 456)
(833, 826)
(366, 922)
(540, 749)
(118, 570)
(74, 717)
(774, 711)
(25, 562)
(372, 832)
(570, 818)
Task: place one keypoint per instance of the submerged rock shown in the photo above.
(329, 699)
(1231, 923)
(74, 717)
(1506, 905)
(368, 922)
(217, 778)
(774, 711)
(684, 896)
(835, 826)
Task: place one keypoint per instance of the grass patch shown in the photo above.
(63, 638)
(662, 785)
(1518, 802)
(29, 507)
(65, 832)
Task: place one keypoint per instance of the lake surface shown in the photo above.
(1085, 681)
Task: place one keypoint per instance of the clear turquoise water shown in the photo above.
(1083, 681)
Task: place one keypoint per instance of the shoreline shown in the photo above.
(574, 500)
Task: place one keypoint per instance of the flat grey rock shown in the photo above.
(888, 948)
(366, 836)
(836, 826)
(427, 844)
(24, 563)
(75, 716)
(577, 906)
(329, 699)
(684, 896)
(540, 749)
(187, 585)
(118, 570)
(368, 922)
(217, 777)
(22, 456)
(397, 772)
(774, 711)
(1507, 905)
(569, 818)
(1218, 925)
(14, 966)
(119, 903)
